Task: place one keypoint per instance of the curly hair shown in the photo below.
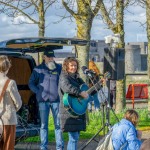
(4, 63)
(67, 61)
(132, 116)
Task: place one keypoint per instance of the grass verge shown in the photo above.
(95, 124)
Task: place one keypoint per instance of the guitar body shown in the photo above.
(76, 106)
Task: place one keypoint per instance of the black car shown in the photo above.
(22, 65)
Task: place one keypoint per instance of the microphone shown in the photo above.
(88, 72)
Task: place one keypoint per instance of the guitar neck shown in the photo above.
(97, 86)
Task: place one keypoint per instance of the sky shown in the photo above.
(134, 32)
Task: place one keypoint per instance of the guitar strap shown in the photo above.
(4, 89)
(80, 81)
(61, 91)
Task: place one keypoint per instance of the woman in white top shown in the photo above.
(9, 105)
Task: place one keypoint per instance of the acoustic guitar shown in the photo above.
(77, 105)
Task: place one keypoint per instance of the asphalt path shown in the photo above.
(82, 145)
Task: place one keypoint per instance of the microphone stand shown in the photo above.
(105, 108)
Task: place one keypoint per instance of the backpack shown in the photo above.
(106, 142)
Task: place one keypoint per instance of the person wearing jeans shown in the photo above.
(96, 103)
(44, 83)
(44, 108)
(95, 79)
(70, 83)
(73, 140)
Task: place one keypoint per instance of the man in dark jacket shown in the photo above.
(44, 83)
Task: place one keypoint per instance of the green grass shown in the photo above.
(95, 123)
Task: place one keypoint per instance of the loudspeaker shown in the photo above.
(114, 62)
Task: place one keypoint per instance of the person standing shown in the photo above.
(95, 79)
(125, 134)
(10, 103)
(44, 83)
(70, 83)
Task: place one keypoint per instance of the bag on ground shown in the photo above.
(106, 142)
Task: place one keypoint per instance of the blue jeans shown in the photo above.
(96, 102)
(73, 140)
(44, 108)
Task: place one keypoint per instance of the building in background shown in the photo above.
(133, 50)
(136, 57)
(96, 51)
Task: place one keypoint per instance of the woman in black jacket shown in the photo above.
(70, 83)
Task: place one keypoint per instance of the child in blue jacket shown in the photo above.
(125, 133)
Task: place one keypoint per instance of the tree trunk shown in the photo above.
(117, 28)
(83, 32)
(41, 19)
(120, 21)
(119, 96)
(120, 88)
(148, 37)
(41, 26)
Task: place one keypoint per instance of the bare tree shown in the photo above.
(83, 12)
(112, 13)
(114, 18)
(29, 9)
(146, 4)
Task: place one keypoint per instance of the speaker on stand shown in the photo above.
(114, 62)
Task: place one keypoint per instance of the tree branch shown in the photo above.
(34, 3)
(97, 7)
(106, 17)
(68, 9)
(16, 8)
(49, 4)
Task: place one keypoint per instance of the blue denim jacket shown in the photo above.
(123, 132)
(44, 83)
